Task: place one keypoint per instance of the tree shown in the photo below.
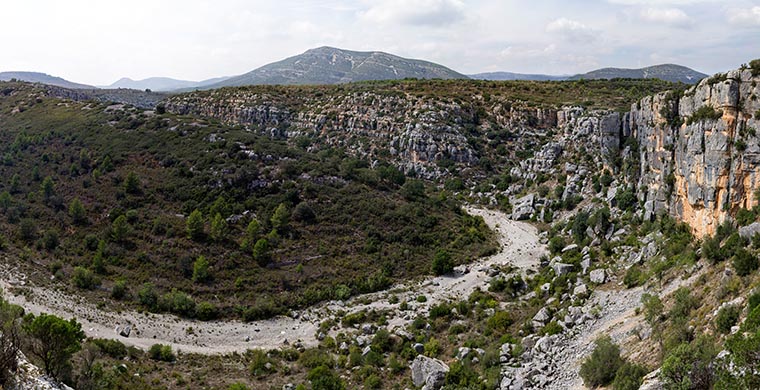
(219, 228)
(600, 368)
(77, 212)
(442, 263)
(280, 218)
(132, 183)
(48, 187)
(261, 252)
(15, 183)
(413, 190)
(10, 339)
(53, 341)
(251, 235)
(200, 270)
(629, 377)
(120, 229)
(744, 262)
(195, 225)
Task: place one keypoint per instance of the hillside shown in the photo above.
(668, 72)
(509, 76)
(327, 65)
(163, 84)
(36, 77)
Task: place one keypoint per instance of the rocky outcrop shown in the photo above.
(699, 153)
(428, 373)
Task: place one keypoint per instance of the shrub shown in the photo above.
(442, 263)
(147, 296)
(120, 229)
(500, 321)
(552, 328)
(629, 376)
(258, 362)
(161, 353)
(304, 213)
(205, 311)
(687, 366)
(84, 278)
(113, 348)
(704, 113)
(744, 262)
(119, 289)
(200, 270)
(711, 250)
(727, 317)
(600, 368)
(634, 277)
(323, 378)
(313, 358)
(261, 252)
(132, 183)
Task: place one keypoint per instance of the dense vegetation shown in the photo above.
(189, 210)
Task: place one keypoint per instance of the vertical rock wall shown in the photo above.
(702, 170)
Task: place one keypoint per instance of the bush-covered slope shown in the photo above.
(104, 194)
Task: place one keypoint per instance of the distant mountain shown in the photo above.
(163, 83)
(36, 77)
(668, 72)
(328, 65)
(509, 76)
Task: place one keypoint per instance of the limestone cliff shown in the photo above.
(699, 153)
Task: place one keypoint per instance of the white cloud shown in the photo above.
(745, 16)
(572, 30)
(668, 16)
(415, 13)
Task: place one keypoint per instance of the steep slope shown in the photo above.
(327, 65)
(36, 77)
(163, 84)
(668, 72)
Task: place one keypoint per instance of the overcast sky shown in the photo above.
(98, 42)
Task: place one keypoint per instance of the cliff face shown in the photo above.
(706, 168)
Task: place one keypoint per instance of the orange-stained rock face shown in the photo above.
(706, 169)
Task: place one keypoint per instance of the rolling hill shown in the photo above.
(163, 84)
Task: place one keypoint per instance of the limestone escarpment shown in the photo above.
(700, 154)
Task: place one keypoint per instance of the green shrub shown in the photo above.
(704, 113)
(84, 278)
(195, 225)
(113, 348)
(600, 368)
(440, 310)
(205, 311)
(634, 277)
(442, 263)
(323, 378)
(200, 270)
(552, 328)
(161, 353)
(727, 317)
(119, 289)
(687, 366)
(500, 321)
(629, 376)
(744, 262)
(258, 362)
(313, 358)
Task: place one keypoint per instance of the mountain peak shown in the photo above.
(331, 65)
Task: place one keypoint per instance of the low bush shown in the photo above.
(727, 317)
(161, 353)
(600, 368)
(629, 376)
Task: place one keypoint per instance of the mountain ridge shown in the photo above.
(43, 78)
(667, 72)
(329, 65)
(163, 84)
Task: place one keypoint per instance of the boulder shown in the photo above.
(562, 268)
(463, 352)
(580, 291)
(418, 347)
(652, 381)
(543, 316)
(125, 331)
(750, 230)
(598, 276)
(428, 372)
(523, 208)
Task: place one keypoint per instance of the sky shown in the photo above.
(99, 41)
